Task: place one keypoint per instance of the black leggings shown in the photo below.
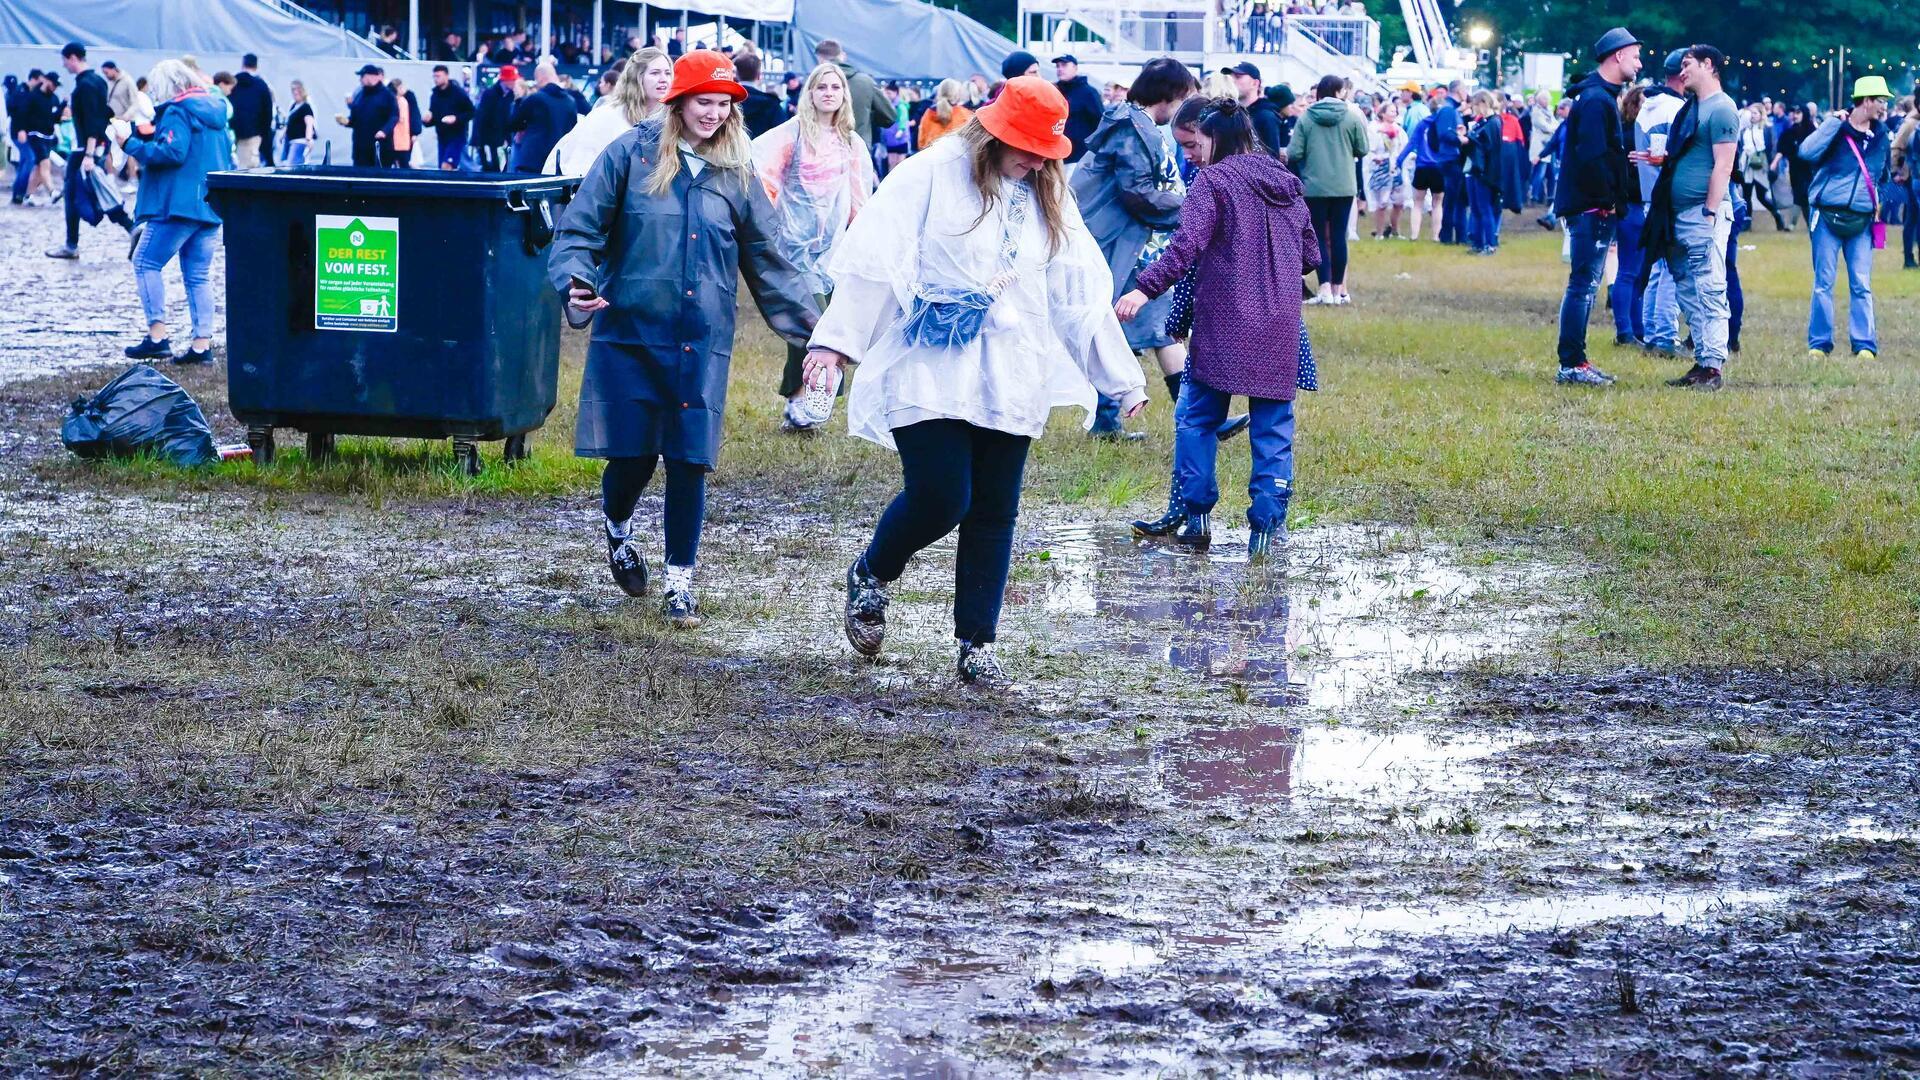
(1330, 215)
(956, 474)
(626, 478)
(1760, 193)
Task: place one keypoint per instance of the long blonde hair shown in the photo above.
(1049, 183)
(949, 93)
(841, 123)
(630, 93)
(729, 150)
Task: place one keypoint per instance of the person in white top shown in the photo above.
(1386, 182)
(975, 301)
(818, 173)
(637, 95)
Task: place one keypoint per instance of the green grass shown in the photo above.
(1770, 524)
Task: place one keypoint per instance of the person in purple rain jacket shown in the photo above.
(1245, 228)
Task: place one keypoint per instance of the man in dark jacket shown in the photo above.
(1084, 104)
(90, 115)
(1264, 114)
(252, 123)
(761, 111)
(1447, 139)
(371, 114)
(540, 118)
(1594, 192)
(871, 110)
(449, 110)
(491, 117)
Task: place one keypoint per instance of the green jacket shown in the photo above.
(1325, 145)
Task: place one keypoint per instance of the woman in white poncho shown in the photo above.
(975, 301)
(637, 95)
(818, 173)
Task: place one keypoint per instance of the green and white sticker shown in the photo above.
(356, 273)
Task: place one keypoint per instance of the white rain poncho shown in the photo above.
(1049, 337)
(816, 191)
(574, 154)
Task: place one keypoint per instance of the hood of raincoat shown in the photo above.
(1259, 175)
(1329, 112)
(203, 113)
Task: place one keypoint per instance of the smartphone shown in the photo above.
(575, 317)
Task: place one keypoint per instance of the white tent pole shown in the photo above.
(413, 29)
(597, 14)
(546, 28)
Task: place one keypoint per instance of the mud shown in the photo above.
(297, 782)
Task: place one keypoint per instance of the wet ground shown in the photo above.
(296, 783)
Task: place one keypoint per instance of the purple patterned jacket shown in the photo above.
(1245, 226)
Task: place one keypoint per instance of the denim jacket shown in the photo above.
(1837, 179)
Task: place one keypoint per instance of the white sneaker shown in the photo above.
(815, 407)
(1319, 300)
(1343, 300)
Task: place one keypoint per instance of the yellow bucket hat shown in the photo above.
(1871, 86)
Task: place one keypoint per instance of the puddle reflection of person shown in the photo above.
(653, 243)
(975, 300)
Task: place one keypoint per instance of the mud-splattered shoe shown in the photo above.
(978, 666)
(628, 566)
(1264, 544)
(1164, 524)
(866, 609)
(1196, 532)
(682, 610)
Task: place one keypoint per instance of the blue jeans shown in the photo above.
(1591, 235)
(297, 152)
(1910, 233)
(1196, 446)
(23, 172)
(1627, 318)
(1540, 186)
(1827, 249)
(193, 242)
(1106, 416)
(1483, 215)
(686, 510)
(1453, 216)
(1659, 310)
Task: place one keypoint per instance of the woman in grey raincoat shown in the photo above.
(655, 242)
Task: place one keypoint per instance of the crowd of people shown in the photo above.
(1017, 245)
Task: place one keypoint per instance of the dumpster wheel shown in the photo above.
(515, 449)
(260, 441)
(466, 456)
(320, 446)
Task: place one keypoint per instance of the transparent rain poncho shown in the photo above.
(817, 189)
(958, 315)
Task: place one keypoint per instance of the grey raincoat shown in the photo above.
(1128, 190)
(669, 266)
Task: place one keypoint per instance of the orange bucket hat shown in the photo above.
(704, 71)
(1030, 114)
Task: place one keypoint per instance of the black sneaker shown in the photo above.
(1625, 339)
(1262, 544)
(1195, 532)
(1234, 426)
(149, 349)
(1733, 345)
(1698, 378)
(979, 666)
(866, 609)
(628, 565)
(682, 610)
(195, 356)
(1164, 524)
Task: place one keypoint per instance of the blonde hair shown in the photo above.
(841, 123)
(630, 93)
(729, 150)
(168, 78)
(1219, 86)
(1049, 182)
(949, 93)
(1482, 103)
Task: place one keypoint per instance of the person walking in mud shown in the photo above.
(818, 174)
(668, 218)
(1246, 232)
(976, 299)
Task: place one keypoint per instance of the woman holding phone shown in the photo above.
(668, 219)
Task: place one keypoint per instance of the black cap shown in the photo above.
(369, 69)
(1017, 64)
(1612, 42)
(1244, 67)
(1066, 58)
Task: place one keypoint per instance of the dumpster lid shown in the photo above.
(370, 182)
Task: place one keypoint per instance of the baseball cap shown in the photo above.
(1675, 60)
(1066, 58)
(1244, 67)
(509, 73)
(369, 69)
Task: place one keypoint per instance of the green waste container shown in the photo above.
(390, 302)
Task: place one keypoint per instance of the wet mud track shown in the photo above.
(298, 783)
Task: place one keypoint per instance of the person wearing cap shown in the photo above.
(540, 119)
(371, 115)
(1659, 107)
(491, 115)
(669, 217)
(1593, 194)
(1264, 114)
(1850, 153)
(975, 301)
(1084, 107)
(1691, 222)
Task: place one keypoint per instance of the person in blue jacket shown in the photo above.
(1428, 177)
(669, 218)
(1849, 152)
(186, 140)
(1447, 138)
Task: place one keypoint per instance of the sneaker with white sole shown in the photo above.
(628, 565)
(866, 618)
(681, 608)
(979, 666)
(1583, 375)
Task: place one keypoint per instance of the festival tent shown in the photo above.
(901, 39)
(177, 26)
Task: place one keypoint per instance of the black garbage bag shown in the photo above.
(142, 411)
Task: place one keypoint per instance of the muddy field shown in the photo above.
(304, 783)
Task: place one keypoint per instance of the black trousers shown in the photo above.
(956, 475)
(626, 478)
(115, 214)
(1330, 214)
